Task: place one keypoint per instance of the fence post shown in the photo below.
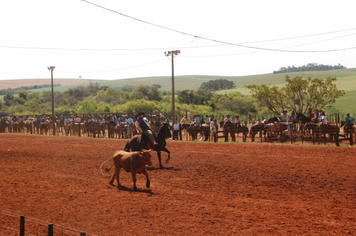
(22, 225)
(180, 132)
(108, 130)
(50, 230)
(79, 128)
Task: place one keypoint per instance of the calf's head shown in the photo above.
(146, 157)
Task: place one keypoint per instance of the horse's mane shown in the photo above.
(161, 127)
(300, 114)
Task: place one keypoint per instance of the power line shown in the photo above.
(103, 49)
(244, 53)
(214, 40)
(297, 37)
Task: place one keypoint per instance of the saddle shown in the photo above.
(142, 140)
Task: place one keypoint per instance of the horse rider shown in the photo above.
(349, 121)
(323, 120)
(183, 120)
(121, 119)
(207, 120)
(227, 118)
(67, 121)
(238, 121)
(167, 120)
(77, 119)
(199, 119)
(14, 119)
(196, 122)
(158, 119)
(292, 120)
(316, 116)
(310, 113)
(144, 128)
(283, 117)
(212, 119)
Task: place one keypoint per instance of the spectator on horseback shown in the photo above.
(101, 121)
(77, 119)
(349, 119)
(207, 120)
(14, 119)
(228, 118)
(158, 119)
(167, 120)
(291, 120)
(67, 121)
(283, 117)
(238, 121)
(199, 119)
(315, 119)
(196, 122)
(144, 128)
(212, 119)
(310, 113)
(183, 120)
(323, 119)
(121, 119)
(114, 119)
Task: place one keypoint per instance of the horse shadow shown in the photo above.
(123, 188)
(163, 168)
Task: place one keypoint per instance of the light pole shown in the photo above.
(51, 68)
(172, 54)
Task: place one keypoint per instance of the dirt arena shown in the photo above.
(206, 189)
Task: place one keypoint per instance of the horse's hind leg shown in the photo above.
(169, 154)
(159, 159)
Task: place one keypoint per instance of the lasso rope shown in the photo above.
(101, 167)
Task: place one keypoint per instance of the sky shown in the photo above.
(117, 39)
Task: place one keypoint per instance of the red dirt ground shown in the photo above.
(206, 188)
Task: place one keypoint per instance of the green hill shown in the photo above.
(346, 80)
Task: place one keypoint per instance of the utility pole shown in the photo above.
(51, 68)
(172, 54)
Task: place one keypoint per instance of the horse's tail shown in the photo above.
(127, 146)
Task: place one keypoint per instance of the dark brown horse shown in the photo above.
(319, 131)
(140, 142)
(302, 118)
(233, 129)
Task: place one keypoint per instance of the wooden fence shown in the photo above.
(51, 228)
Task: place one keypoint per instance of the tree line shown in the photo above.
(297, 95)
(17, 90)
(129, 99)
(308, 67)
